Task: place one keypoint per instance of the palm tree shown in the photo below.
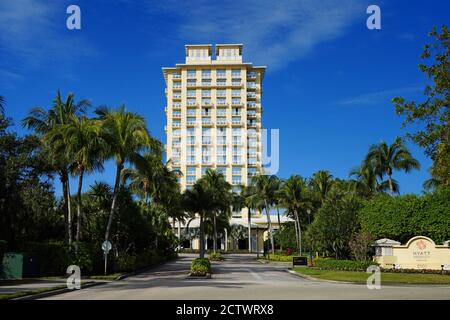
(294, 197)
(264, 188)
(321, 183)
(365, 183)
(198, 201)
(387, 158)
(44, 124)
(85, 146)
(126, 135)
(221, 197)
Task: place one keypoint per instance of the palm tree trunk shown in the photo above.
(279, 225)
(202, 236)
(63, 178)
(296, 231)
(299, 229)
(269, 224)
(391, 185)
(69, 212)
(114, 201)
(215, 233)
(249, 220)
(80, 186)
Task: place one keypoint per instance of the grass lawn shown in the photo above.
(279, 257)
(386, 277)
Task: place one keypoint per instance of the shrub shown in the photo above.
(3, 248)
(404, 217)
(215, 257)
(289, 251)
(346, 265)
(200, 267)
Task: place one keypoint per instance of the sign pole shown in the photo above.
(106, 261)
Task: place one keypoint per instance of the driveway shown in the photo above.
(242, 277)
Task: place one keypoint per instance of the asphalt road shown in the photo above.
(242, 277)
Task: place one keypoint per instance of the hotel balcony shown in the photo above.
(191, 123)
(221, 84)
(221, 162)
(192, 104)
(221, 122)
(235, 123)
(251, 75)
(176, 105)
(205, 84)
(236, 75)
(176, 96)
(236, 114)
(207, 123)
(206, 142)
(221, 142)
(207, 103)
(176, 125)
(222, 103)
(236, 103)
(237, 142)
(236, 84)
(176, 76)
(192, 75)
(191, 162)
(251, 95)
(176, 87)
(190, 142)
(206, 75)
(221, 75)
(191, 84)
(176, 115)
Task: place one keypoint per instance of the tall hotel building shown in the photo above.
(214, 114)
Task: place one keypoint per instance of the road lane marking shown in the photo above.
(255, 275)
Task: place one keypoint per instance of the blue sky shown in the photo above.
(329, 79)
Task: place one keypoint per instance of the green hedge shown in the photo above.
(200, 267)
(282, 257)
(346, 265)
(403, 217)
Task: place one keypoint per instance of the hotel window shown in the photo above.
(236, 101)
(206, 82)
(176, 133)
(237, 132)
(236, 180)
(222, 170)
(206, 151)
(191, 73)
(191, 102)
(191, 113)
(251, 172)
(190, 132)
(221, 132)
(191, 83)
(191, 93)
(221, 140)
(206, 93)
(206, 73)
(191, 121)
(206, 112)
(236, 112)
(190, 140)
(191, 171)
(221, 73)
(237, 170)
(221, 82)
(176, 124)
(191, 159)
(206, 102)
(221, 101)
(236, 93)
(221, 159)
(221, 93)
(236, 73)
(190, 151)
(190, 179)
(206, 132)
(236, 190)
(236, 151)
(221, 112)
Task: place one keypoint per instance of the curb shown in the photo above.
(207, 276)
(57, 291)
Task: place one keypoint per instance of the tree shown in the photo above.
(84, 145)
(126, 135)
(434, 112)
(365, 183)
(45, 123)
(237, 232)
(264, 188)
(198, 201)
(321, 183)
(386, 158)
(335, 223)
(220, 191)
(294, 196)
(2, 105)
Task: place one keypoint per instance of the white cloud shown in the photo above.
(274, 33)
(379, 97)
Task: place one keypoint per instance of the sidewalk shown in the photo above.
(26, 285)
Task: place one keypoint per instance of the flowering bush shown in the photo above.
(289, 251)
